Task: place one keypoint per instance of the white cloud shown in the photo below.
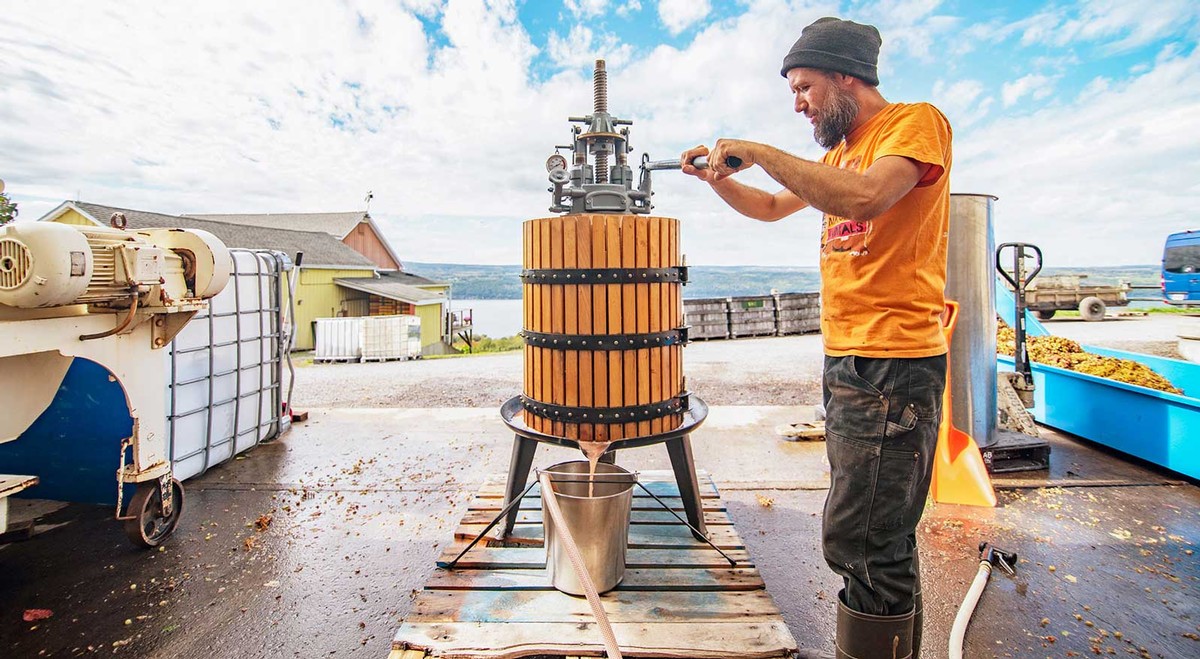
(964, 102)
(1034, 85)
(1100, 178)
(586, 8)
(628, 8)
(679, 15)
(286, 107)
(910, 28)
(581, 48)
(1120, 25)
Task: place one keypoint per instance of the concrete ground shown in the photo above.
(313, 545)
(353, 505)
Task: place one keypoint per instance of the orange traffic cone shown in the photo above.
(959, 475)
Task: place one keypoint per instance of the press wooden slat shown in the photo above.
(616, 296)
(535, 303)
(629, 317)
(526, 306)
(642, 260)
(583, 259)
(666, 293)
(676, 305)
(547, 320)
(571, 324)
(557, 363)
(600, 323)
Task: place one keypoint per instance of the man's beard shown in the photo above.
(834, 120)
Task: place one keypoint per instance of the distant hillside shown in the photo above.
(503, 282)
(1112, 274)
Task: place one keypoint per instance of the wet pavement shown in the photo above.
(313, 545)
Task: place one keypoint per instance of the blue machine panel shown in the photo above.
(73, 447)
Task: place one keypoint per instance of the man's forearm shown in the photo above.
(749, 201)
(828, 189)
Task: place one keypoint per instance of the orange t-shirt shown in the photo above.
(883, 279)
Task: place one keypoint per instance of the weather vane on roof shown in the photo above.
(368, 198)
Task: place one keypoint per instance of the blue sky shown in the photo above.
(1082, 117)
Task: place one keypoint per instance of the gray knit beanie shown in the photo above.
(832, 44)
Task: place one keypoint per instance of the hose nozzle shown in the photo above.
(1007, 560)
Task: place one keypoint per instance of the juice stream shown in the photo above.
(593, 451)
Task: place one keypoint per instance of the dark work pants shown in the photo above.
(881, 427)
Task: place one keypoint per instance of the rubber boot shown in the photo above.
(865, 636)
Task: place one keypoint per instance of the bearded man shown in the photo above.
(883, 189)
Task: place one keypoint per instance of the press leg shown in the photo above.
(680, 451)
(609, 457)
(518, 473)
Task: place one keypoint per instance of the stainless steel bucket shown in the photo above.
(598, 523)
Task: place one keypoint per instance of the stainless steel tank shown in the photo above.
(970, 281)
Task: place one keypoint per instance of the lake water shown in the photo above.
(495, 318)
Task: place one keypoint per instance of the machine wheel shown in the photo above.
(1092, 309)
(149, 528)
(1044, 315)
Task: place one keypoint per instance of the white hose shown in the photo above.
(585, 579)
(958, 632)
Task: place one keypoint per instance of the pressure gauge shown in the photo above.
(556, 161)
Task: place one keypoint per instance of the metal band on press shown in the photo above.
(677, 274)
(606, 341)
(629, 414)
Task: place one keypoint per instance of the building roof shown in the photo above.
(337, 225)
(321, 250)
(402, 277)
(394, 290)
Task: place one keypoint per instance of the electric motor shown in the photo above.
(43, 264)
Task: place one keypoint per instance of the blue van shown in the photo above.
(1181, 268)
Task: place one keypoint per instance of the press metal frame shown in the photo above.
(677, 440)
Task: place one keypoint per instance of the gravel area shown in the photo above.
(756, 371)
(762, 371)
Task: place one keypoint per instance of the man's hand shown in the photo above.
(727, 148)
(685, 160)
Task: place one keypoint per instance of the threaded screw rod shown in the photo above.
(600, 106)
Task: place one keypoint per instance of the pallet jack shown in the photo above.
(1018, 446)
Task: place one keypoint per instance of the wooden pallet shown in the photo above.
(679, 597)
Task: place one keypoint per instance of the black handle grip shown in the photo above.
(701, 162)
(1019, 255)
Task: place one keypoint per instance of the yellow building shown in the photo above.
(334, 279)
